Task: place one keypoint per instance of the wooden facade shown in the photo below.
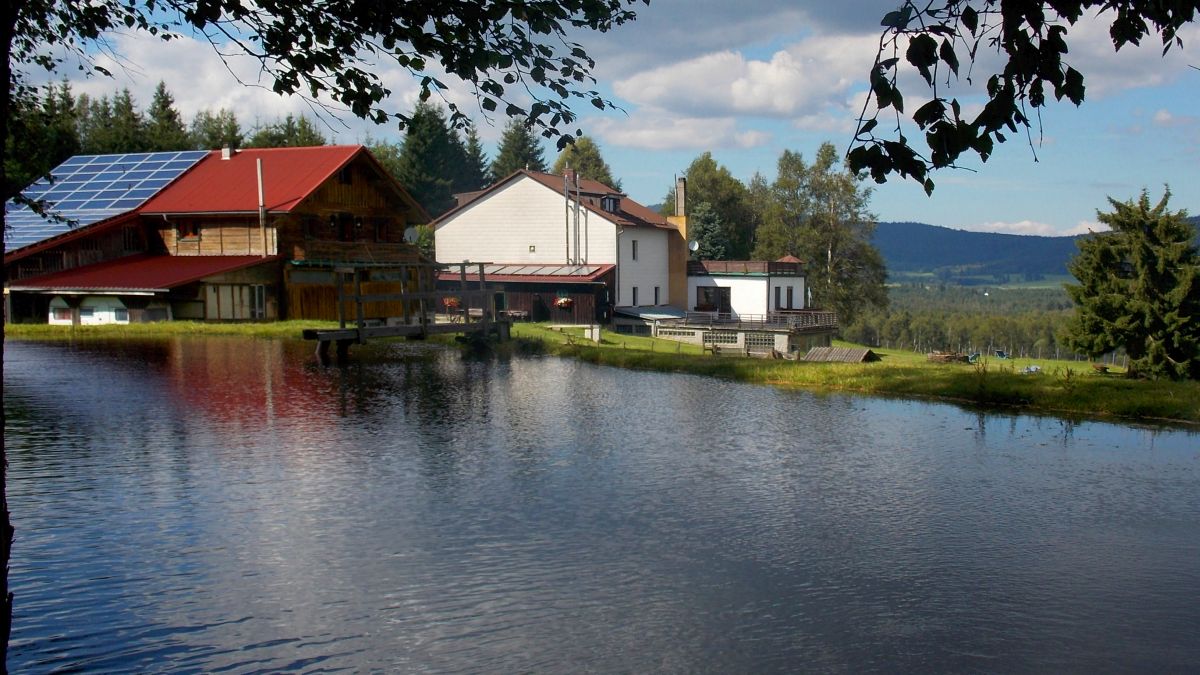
(356, 215)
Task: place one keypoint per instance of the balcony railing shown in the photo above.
(775, 269)
(794, 320)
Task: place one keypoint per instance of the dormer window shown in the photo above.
(611, 203)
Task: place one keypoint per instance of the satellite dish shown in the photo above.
(693, 246)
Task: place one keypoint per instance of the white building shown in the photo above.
(744, 288)
(551, 237)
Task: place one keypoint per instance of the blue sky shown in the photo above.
(748, 80)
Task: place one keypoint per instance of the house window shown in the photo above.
(790, 297)
(635, 302)
(532, 248)
(258, 301)
(344, 176)
(120, 314)
(778, 304)
(713, 299)
(634, 250)
(130, 240)
(62, 313)
(87, 312)
(656, 302)
(188, 231)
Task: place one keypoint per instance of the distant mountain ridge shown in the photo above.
(971, 257)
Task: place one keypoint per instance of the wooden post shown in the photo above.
(358, 306)
(465, 306)
(338, 278)
(404, 289)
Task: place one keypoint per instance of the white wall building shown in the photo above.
(746, 288)
(543, 221)
(94, 310)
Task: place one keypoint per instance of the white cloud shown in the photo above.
(652, 129)
(801, 81)
(1164, 118)
(1032, 227)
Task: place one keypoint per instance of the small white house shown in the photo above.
(744, 288)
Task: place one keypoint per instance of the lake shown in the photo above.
(227, 505)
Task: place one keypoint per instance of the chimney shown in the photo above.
(226, 152)
(681, 196)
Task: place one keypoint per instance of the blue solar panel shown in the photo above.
(86, 189)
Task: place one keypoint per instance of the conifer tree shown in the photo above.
(704, 228)
(709, 181)
(431, 161)
(164, 125)
(128, 124)
(290, 132)
(583, 156)
(475, 173)
(1139, 289)
(211, 131)
(42, 133)
(519, 149)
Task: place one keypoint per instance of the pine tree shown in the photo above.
(42, 132)
(211, 131)
(583, 157)
(129, 125)
(290, 132)
(1139, 289)
(431, 161)
(164, 125)
(475, 173)
(704, 228)
(519, 149)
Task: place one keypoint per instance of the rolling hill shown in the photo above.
(958, 256)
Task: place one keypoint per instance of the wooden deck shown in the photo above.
(472, 311)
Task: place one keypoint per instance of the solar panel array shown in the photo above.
(86, 189)
(541, 270)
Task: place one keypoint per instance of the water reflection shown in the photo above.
(228, 505)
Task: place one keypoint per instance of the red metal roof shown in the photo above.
(142, 272)
(218, 185)
(537, 274)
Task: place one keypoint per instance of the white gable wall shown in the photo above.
(648, 271)
(783, 283)
(524, 222)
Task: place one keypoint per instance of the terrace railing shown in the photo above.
(794, 320)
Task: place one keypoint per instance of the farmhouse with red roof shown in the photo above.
(221, 235)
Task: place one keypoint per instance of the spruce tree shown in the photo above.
(1139, 289)
(290, 132)
(431, 160)
(704, 228)
(583, 157)
(164, 125)
(211, 131)
(129, 125)
(475, 174)
(519, 149)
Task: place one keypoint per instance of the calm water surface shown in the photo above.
(226, 505)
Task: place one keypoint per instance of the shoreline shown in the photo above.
(1061, 389)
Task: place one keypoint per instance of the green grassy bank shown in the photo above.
(1062, 387)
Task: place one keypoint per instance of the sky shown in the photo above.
(750, 79)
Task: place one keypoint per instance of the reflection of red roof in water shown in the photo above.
(141, 272)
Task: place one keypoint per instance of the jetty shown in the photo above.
(411, 306)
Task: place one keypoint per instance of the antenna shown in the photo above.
(693, 246)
